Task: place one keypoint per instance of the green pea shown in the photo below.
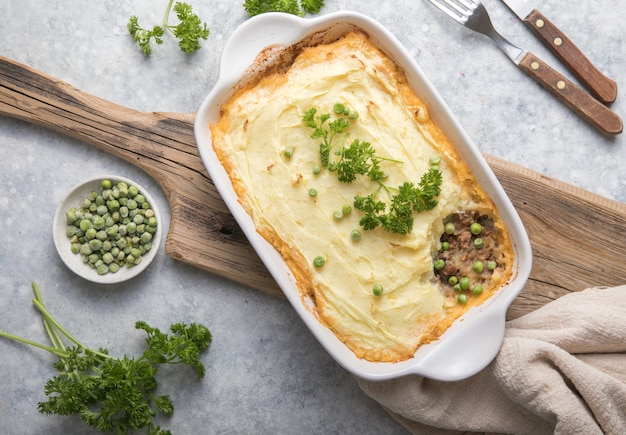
(338, 108)
(434, 160)
(477, 289)
(457, 288)
(450, 228)
(288, 152)
(353, 114)
(85, 249)
(316, 170)
(377, 290)
(106, 184)
(346, 209)
(113, 204)
(102, 210)
(85, 224)
(112, 230)
(95, 244)
(478, 243)
(98, 222)
(146, 237)
(491, 265)
(476, 228)
(123, 189)
(70, 215)
(133, 191)
(108, 258)
(478, 266)
(90, 234)
(462, 299)
(319, 261)
(439, 264)
(312, 192)
(453, 280)
(355, 235)
(75, 248)
(445, 246)
(114, 267)
(337, 215)
(121, 243)
(464, 283)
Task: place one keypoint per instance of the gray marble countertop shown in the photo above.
(265, 371)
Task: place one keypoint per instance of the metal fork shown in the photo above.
(472, 14)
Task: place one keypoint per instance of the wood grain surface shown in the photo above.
(574, 234)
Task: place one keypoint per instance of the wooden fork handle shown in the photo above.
(590, 109)
(601, 86)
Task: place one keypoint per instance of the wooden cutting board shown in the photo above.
(574, 233)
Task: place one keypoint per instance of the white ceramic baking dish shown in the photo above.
(474, 339)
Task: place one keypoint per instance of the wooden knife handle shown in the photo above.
(594, 112)
(604, 88)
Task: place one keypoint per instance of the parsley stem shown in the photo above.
(52, 333)
(167, 14)
(53, 350)
(53, 322)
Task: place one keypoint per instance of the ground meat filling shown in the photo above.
(468, 255)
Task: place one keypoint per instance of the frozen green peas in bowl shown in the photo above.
(107, 229)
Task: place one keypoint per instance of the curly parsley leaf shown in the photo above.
(294, 7)
(189, 30)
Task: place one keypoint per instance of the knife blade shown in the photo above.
(601, 86)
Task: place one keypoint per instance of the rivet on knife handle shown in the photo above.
(604, 88)
(597, 114)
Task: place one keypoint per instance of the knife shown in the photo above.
(601, 86)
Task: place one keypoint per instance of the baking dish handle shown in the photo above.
(478, 340)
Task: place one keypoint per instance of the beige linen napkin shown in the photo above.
(561, 369)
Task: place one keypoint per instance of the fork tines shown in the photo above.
(458, 10)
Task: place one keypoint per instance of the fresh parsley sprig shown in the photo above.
(398, 217)
(115, 394)
(359, 158)
(294, 7)
(188, 31)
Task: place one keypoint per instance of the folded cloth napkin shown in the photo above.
(561, 369)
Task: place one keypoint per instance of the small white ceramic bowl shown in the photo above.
(74, 261)
(474, 339)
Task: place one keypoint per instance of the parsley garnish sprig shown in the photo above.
(114, 394)
(294, 7)
(188, 31)
(359, 158)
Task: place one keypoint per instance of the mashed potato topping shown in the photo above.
(267, 150)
